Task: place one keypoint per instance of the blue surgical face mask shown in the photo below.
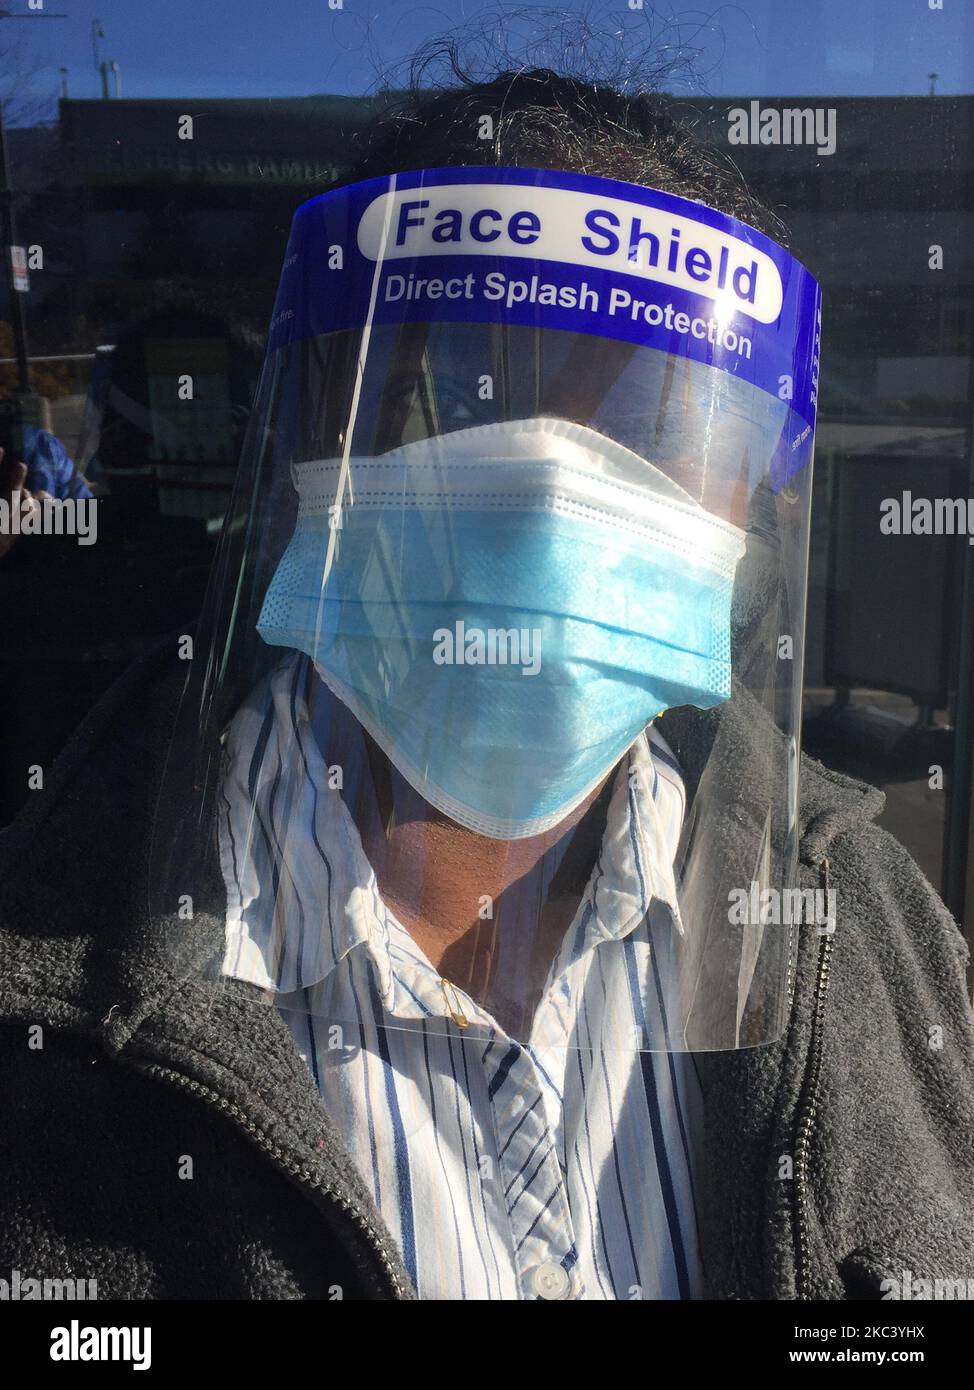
(505, 609)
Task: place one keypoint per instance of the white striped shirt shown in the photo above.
(558, 1165)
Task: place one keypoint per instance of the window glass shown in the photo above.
(156, 154)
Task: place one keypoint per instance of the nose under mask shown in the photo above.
(505, 609)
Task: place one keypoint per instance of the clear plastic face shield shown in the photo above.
(529, 466)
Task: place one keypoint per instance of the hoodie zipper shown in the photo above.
(808, 1107)
(314, 1186)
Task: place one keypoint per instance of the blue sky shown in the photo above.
(298, 47)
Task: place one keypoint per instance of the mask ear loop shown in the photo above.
(500, 366)
(344, 488)
(411, 374)
(538, 357)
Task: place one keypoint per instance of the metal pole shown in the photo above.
(8, 227)
(9, 221)
(97, 32)
(958, 847)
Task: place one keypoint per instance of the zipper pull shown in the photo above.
(830, 914)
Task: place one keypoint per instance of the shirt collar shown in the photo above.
(301, 893)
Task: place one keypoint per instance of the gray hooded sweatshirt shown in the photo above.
(161, 1136)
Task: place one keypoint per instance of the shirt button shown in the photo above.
(550, 1281)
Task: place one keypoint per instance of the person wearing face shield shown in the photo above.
(469, 918)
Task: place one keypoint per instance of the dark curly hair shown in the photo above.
(542, 119)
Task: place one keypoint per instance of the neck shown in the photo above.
(453, 889)
(480, 909)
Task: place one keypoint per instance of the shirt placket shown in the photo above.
(531, 1177)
